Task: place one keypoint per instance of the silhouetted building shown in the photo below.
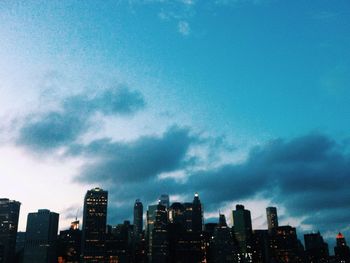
(138, 219)
(69, 244)
(208, 237)
(285, 246)
(159, 237)
(185, 245)
(94, 225)
(260, 246)
(272, 219)
(316, 249)
(222, 245)
(197, 215)
(41, 237)
(119, 243)
(9, 213)
(341, 250)
(151, 217)
(242, 228)
(20, 243)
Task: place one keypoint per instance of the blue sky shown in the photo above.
(185, 89)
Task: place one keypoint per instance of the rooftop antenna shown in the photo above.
(76, 216)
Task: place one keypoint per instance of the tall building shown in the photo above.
(9, 213)
(151, 217)
(69, 244)
(260, 245)
(164, 200)
(285, 245)
(341, 250)
(242, 227)
(197, 215)
(223, 249)
(94, 225)
(316, 249)
(41, 237)
(138, 219)
(185, 245)
(159, 236)
(272, 219)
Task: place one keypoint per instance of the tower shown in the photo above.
(197, 215)
(272, 219)
(159, 236)
(242, 225)
(341, 250)
(9, 213)
(94, 225)
(41, 237)
(138, 220)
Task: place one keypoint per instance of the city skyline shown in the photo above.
(243, 101)
(96, 233)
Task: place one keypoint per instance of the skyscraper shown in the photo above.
(138, 219)
(197, 215)
(242, 225)
(9, 213)
(159, 241)
(94, 225)
(341, 250)
(222, 242)
(272, 219)
(316, 249)
(41, 237)
(285, 245)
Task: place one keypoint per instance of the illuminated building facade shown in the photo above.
(94, 225)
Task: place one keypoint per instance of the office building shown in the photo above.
(41, 237)
(9, 214)
(94, 225)
(69, 244)
(285, 245)
(316, 249)
(272, 219)
(341, 250)
(159, 236)
(242, 228)
(223, 249)
(138, 219)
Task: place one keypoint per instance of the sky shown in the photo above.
(242, 101)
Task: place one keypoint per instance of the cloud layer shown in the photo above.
(308, 175)
(61, 127)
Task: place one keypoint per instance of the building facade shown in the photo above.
(94, 226)
(9, 214)
(41, 237)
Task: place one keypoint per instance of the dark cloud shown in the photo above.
(148, 156)
(308, 175)
(62, 127)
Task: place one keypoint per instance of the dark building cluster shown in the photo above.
(171, 233)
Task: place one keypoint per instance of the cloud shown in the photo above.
(184, 28)
(73, 118)
(307, 175)
(137, 161)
